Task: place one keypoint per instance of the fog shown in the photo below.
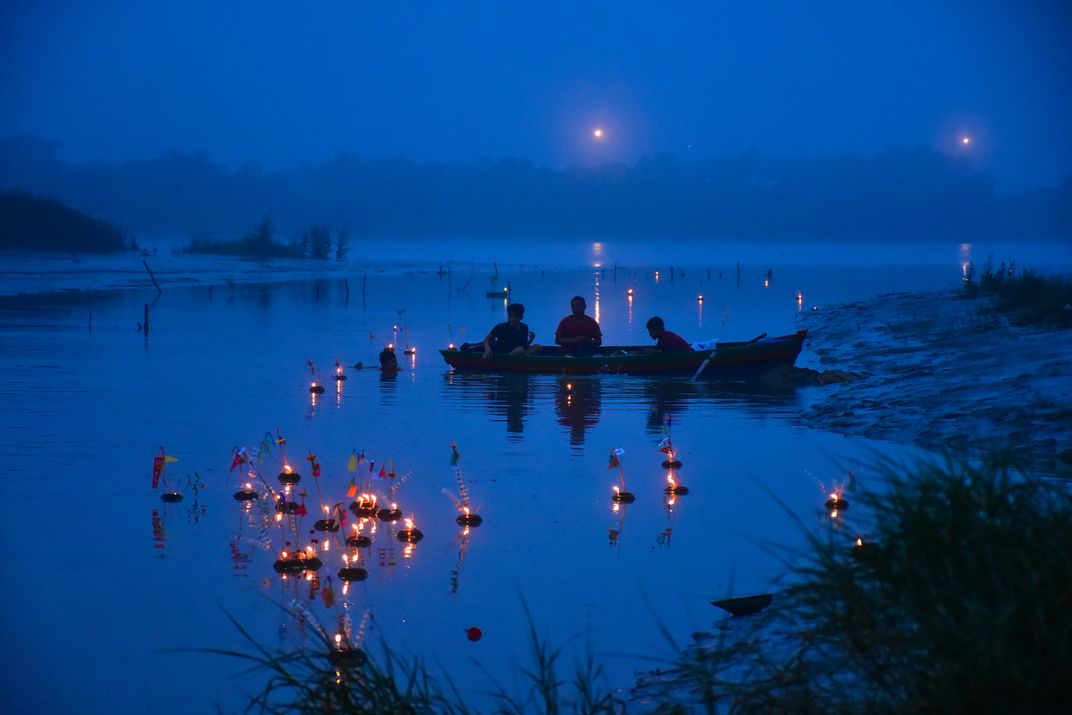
(283, 83)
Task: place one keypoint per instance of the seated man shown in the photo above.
(667, 342)
(577, 333)
(512, 337)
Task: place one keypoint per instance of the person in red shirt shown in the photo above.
(577, 333)
(667, 342)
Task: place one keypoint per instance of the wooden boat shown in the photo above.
(727, 360)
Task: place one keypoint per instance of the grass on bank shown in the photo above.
(1031, 297)
(959, 602)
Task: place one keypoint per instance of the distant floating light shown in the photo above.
(836, 502)
(622, 497)
(316, 389)
(965, 140)
(171, 497)
(630, 292)
(598, 133)
(699, 299)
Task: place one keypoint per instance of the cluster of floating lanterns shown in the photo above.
(619, 495)
(367, 507)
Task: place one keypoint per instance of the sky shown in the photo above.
(281, 83)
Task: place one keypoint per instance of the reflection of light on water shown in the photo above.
(630, 306)
(656, 277)
(800, 301)
(596, 316)
(766, 282)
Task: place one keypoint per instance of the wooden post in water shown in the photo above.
(146, 323)
(158, 288)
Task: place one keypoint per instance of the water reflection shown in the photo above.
(577, 404)
(507, 396)
(666, 398)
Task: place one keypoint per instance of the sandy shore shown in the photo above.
(945, 373)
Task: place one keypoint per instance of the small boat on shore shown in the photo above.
(727, 360)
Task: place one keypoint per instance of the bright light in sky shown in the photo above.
(598, 133)
(965, 140)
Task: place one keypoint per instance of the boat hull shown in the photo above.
(725, 361)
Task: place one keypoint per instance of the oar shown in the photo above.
(703, 365)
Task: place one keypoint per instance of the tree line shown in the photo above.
(914, 193)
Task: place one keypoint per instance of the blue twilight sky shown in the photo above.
(285, 82)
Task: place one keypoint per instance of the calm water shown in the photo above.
(111, 584)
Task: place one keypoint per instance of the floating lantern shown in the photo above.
(389, 514)
(411, 534)
(409, 351)
(354, 657)
(450, 346)
(746, 605)
(289, 476)
(286, 507)
(288, 563)
(865, 549)
(246, 493)
(171, 497)
(836, 503)
(671, 463)
(353, 573)
(358, 540)
(339, 376)
(364, 505)
(469, 519)
(629, 292)
(699, 299)
(673, 488)
(622, 497)
(326, 525)
(316, 388)
(310, 561)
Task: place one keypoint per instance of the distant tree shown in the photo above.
(342, 242)
(316, 241)
(258, 243)
(31, 223)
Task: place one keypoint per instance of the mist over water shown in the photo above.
(129, 578)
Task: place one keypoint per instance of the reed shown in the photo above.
(1032, 298)
(959, 605)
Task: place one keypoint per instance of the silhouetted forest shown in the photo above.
(917, 193)
(31, 223)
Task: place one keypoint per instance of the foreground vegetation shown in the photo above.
(1031, 297)
(314, 242)
(28, 222)
(956, 600)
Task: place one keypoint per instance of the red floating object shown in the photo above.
(474, 634)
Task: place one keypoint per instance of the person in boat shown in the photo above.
(666, 341)
(512, 337)
(577, 333)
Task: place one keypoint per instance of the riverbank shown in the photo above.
(947, 373)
